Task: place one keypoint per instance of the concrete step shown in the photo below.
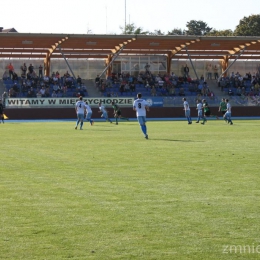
(91, 87)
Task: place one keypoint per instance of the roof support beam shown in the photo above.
(224, 72)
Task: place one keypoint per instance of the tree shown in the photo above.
(248, 26)
(197, 28)
(132, 29)
(226, 32)
(156, 32)
(176, 31)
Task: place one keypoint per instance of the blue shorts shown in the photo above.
(89, 114)
(80, 116)
(104, 115)
(187, 113)
(141, 120)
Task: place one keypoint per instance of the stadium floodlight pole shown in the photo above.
(67, 62)
(241, 52)
(191, 62)
(114, 57)
(125, 16)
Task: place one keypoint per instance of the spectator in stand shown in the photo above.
(23, 69)
(40, 71)
(79, 80)
(153, 91)
(15, 76)
(66, 75)
(16, 88)
(186, 70)
(42, 91)
(12, 93)
(33, 92)
(164, 91)
(181, 92)
(46, 80)
(230, 91)
(30, 68)
(122, 88)
(172, 91)
(47, 92)
(29, 94)
(39, 94)
(54, 94)
(60, 94)
(97, 81)
(127, 87)
(5, 75)
(215, 69)
(11, 70)
(55, 79)
(56, 88)
(57, 74)
(209, 71)
(132, 87)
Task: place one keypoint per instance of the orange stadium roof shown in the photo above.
(76, 46)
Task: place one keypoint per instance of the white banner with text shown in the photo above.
(63, 102)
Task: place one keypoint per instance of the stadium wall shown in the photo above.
(155, 112)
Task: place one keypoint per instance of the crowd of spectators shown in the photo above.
(31, 84)
(153, 85)
(247, 86)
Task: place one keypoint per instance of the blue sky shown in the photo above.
(105, 17)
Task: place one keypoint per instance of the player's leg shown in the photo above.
(81, 120)
(187, 114)
(223, 114)
(142, 121)
(199, 116)
(77, 123)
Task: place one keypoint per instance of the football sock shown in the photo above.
(116, 119)
(81, 124)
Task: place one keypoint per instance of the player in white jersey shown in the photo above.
(227, 115)
(88, 113)
(199, 108)
(104, 112)
(141, 106)
(187, 110)
(80, 109)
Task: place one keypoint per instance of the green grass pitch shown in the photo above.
(189, 192)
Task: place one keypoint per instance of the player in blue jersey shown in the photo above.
(88, 113)
(80, 109)
(141, 106)
(104, 112)
(199, 108)
(227, 115)
(187, 110)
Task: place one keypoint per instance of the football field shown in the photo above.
(188, 192)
